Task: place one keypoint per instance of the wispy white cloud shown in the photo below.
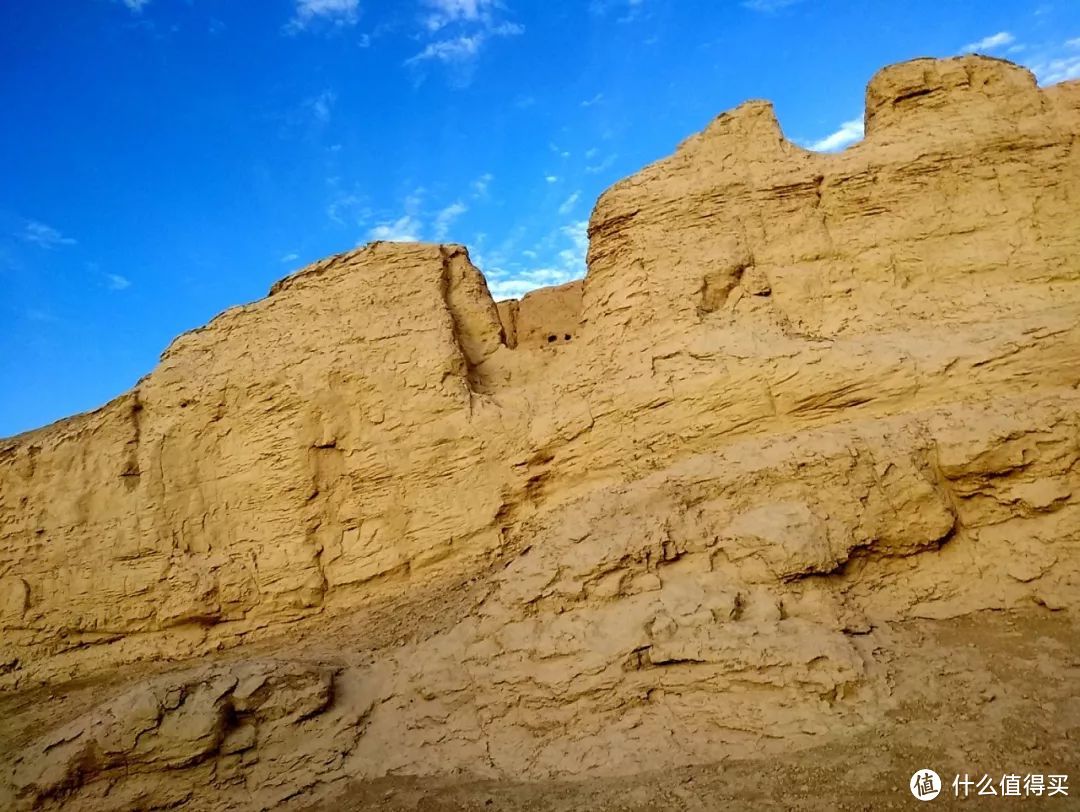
(633, 11)
(414, 200)
(768, 6)
(459, 31)
(458, 49)
(599, 97)
(113, 281)
(445, 218)
(1059, 69)
(322, 106)
(848, 133)
(566, 265)
(337, 13)
(44, 235)
(481, 184)
(348, 209)
(1051, 62)
(463, 48)
(292, 256)
(405, 229)
(568, 204)
(990, 43)
(604, 165)
(573, 258)
(520, 283)
(135, 6)
(445, 12)
(630, 9)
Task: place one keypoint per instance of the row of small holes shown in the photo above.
(554, 338)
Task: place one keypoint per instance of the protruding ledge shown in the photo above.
(898, 92)
(750, 127)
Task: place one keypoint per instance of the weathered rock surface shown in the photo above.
(253, 733)
(676, 512)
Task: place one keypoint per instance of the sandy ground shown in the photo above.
(992, 694)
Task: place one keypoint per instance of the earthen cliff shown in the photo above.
(692, 508)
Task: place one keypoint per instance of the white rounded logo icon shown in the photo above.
(925, 785)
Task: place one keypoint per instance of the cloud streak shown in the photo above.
(1050, 62)
(1061, 69)
(603, 166)
(458, 49)
(337, 13)
(463, 48)
(848, 133)
(405, 229)
(459, 31)
(990, 43)
(44, 235)
(768, 6)
(481, 184)
(445, 12)
(322, 106)
(445, 219)
(567, 264)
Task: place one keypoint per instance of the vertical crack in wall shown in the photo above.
(131, 470)
(477, 328)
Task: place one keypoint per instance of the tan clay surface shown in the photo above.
(794, 510)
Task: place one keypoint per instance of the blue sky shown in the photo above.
(161, 160)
